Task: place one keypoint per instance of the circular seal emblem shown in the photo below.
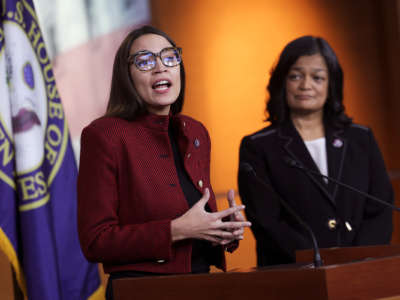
(33, 131)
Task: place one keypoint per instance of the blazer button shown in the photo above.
(161, 261)
(348, 226)
(184, 124)
(188, 155)
(200, 183)
(332, 224)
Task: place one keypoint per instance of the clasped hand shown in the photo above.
(197, 223)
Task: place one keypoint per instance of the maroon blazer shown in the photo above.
(128, 192)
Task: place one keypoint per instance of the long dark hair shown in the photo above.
(124, 101)
(277, 107)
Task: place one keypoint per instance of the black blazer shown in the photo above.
(337, 216)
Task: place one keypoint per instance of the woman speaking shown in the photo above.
(145, 202)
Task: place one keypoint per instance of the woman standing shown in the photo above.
(146, 206)
(309, 128)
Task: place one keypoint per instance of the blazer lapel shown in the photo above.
(295, 148)
(336, 146)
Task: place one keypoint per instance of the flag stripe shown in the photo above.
(8, 249)
(98, 294)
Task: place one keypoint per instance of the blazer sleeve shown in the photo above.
(102, 237)
(263, 208)
(376, 226)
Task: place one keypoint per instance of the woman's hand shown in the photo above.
(235, 217)
(197, 223)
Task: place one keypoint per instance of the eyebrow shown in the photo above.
(141, 51)
(314, 70)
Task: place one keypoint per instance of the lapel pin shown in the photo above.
(197, 143)
(337, 143)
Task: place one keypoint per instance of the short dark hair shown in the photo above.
(124, 101)
(277, 107)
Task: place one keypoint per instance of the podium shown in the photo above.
(349, 273)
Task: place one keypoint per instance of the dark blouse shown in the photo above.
(201, 250)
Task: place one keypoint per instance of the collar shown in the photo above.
(153, 121)
(336, 145)
(287, 130)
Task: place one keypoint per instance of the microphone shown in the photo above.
(295, 164)
(246, 167)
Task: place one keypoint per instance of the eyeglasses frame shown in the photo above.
(132, 57)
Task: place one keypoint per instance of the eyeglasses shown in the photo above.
(147, 60)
